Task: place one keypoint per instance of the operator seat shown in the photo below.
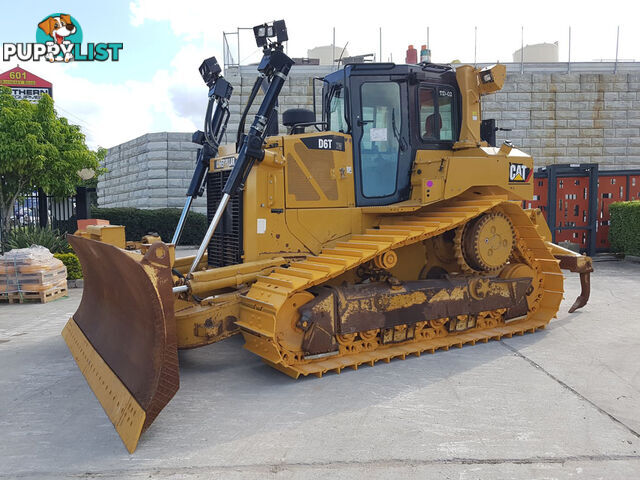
(295, 119)
(432, 125)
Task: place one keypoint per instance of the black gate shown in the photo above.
(40, 210)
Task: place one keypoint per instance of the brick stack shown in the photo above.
(31, 274)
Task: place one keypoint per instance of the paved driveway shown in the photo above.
(563, 403)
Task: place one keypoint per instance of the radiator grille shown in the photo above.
(225, 247)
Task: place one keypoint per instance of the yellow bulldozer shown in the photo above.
(390, 228)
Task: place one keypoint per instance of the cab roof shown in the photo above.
(424, 71)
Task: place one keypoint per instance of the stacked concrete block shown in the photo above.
(154, 170)
(297, 92)
(556, 117)
(151, 171)
(571, 118)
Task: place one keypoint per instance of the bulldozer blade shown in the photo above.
(123, 335)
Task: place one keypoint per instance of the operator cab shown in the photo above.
(391, 111)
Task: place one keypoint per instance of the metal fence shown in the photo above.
(614, 47)
(235, 43)
(40, 210)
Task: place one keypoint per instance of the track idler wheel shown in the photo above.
(522, 270)
(288, 330)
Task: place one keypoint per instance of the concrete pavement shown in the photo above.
(562, 403)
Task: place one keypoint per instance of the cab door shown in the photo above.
(380, 127)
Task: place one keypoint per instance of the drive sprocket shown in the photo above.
(486, 243)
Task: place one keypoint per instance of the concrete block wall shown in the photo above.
(154, 170)
(297, 92)
(571, 118)
(151, 171)
(556, 117)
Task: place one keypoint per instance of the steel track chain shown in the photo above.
(267, 297)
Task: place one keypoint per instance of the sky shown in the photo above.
(155, 86)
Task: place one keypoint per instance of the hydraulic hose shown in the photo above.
(252, 97)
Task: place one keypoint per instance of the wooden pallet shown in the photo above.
(35, 297)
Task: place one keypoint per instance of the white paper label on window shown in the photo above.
(262, 225)
(378, 134)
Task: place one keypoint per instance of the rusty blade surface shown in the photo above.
(126, 313)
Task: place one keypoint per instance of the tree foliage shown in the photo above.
(38, 149)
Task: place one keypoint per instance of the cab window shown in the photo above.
(337, 122)
(445, 108)
(436, 113)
